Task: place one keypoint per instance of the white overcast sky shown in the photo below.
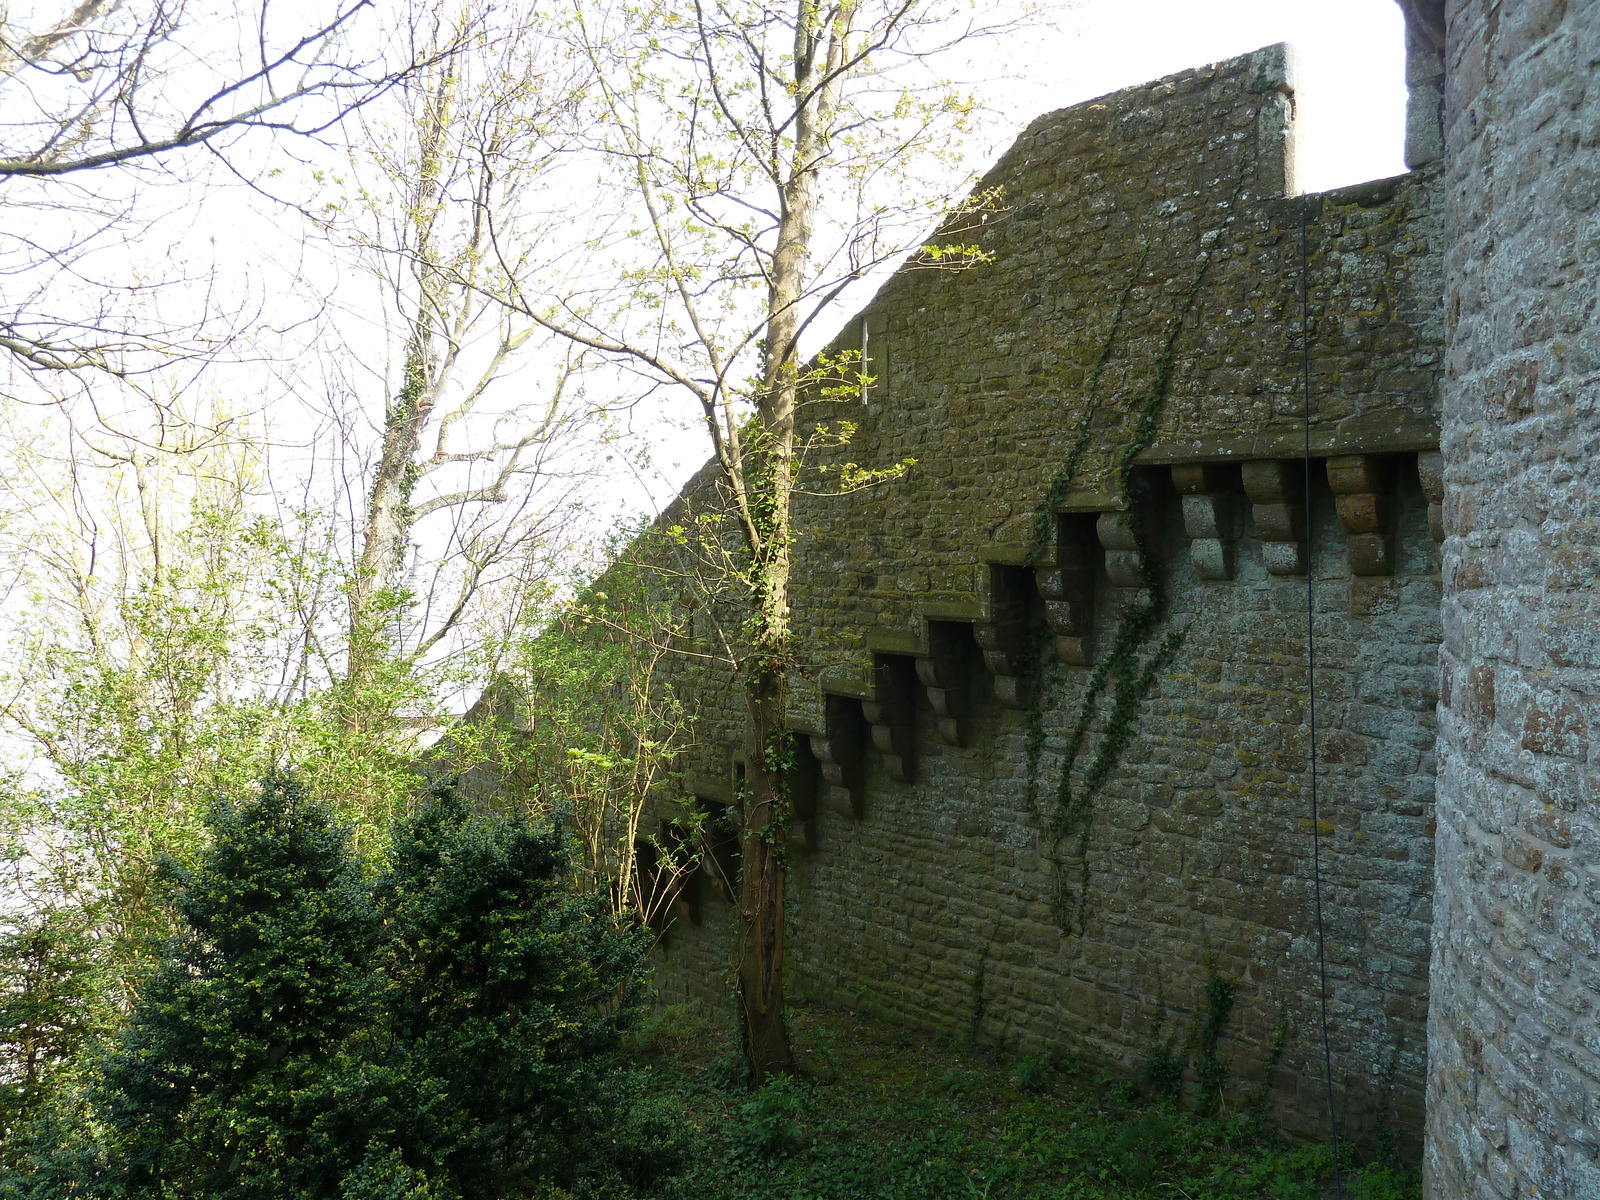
(1350, 56)
(1350, 109)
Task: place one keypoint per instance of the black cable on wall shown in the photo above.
(1311, 697)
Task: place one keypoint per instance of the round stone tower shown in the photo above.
(1514, 1024)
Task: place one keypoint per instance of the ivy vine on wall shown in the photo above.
(1107, 715)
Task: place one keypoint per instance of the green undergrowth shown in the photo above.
(878, 1112)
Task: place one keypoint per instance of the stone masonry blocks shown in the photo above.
(1514, 1057)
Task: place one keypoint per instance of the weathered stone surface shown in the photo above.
(1209, 516)
(1361, 485)
(1151, 253)
(1514, 1033)
(1277, 490)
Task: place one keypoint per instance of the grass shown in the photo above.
(882, 1113)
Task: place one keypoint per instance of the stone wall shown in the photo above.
(939, 904)
(1514, 1077)
(1109, 418)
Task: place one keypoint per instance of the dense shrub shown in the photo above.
(52, 1002)
(248, 1065)
(507, 999)
(443, 1030)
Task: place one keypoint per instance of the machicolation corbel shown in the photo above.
(1210, 518)
(946, 672)
(1430, 473)
(1361, 485)
(1067, 585)
(1127, 556)
(719, 850)
(1003, 638)
(802, 782)
(840, 751)
(1276, 488)
(892, 713)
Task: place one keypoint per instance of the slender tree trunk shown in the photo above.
(387, 522)
(770, 487)
(385, 530)
(766, 803)
(761, 900)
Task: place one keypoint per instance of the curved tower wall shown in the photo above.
(1514, 1031)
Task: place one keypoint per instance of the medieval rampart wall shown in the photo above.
(1104, 542)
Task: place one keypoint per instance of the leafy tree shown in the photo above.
(171, 648)
(769, 153)
(51, 1005)
(171, 642)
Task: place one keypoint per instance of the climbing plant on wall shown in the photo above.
(1106, 718)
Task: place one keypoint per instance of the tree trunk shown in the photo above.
(761, 893)
(766, 804)
(769, 479)
(387, 523)
(386, 528)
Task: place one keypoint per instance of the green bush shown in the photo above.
(769, 1122)
(444, 1031)
(507, 1002)
(52, 1003)
(247, 1068)
(655, 1139)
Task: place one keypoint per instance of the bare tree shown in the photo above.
(475, 448)
(102, 89)
(106, 84)
(771, 151)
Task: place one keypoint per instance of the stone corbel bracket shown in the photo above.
(712, 779)
(945, 671)
(1430, 473)
(682, 902)
(1360, 484)
(1276, 488)
(1128, 561)
(1003, 637)
(803, 780)
(714, 786)
(1210, 516)
(1067, 585)
(839, 751)
(720, 847)
(892, 713)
